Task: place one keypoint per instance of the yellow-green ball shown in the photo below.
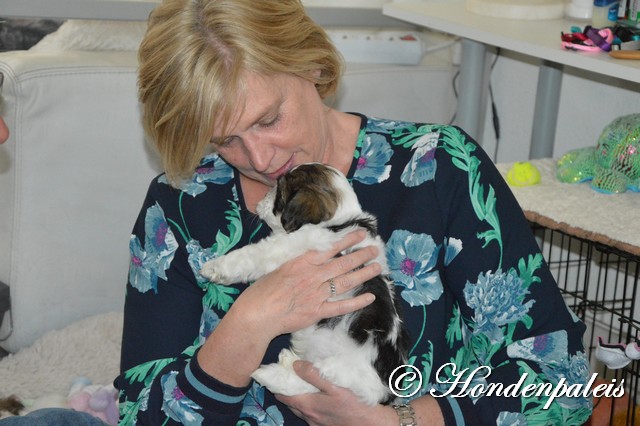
(523, 174)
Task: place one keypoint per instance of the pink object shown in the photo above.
(99, 401)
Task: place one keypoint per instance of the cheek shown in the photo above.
(235, 156)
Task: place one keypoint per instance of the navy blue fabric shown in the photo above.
(474, 288)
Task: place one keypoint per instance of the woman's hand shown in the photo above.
(290, 298)
(295, 295)
(333, 405)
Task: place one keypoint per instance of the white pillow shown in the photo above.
(92, 35)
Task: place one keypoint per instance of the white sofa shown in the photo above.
(76, 167)
(72, 177)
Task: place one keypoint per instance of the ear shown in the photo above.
(307, 206)
(316, 73)
(306, 194)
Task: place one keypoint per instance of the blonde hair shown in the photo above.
(192, 57)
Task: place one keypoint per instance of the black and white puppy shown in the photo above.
(311, 208)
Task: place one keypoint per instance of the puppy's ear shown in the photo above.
(305, 195)
(307, 206)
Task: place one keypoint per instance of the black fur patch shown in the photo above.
(376, 321)
(367, 223)
(11, 404)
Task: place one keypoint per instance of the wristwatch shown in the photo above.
(406, 414)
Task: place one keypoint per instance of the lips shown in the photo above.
(282, 170)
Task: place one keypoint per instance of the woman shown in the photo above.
(234, 90)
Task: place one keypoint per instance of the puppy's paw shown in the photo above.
(282, 380)
(213, 270)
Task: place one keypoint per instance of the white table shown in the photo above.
(536, 38)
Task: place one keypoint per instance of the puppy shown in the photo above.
(311, 208)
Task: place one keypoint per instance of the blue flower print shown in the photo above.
(208, 322)
(453, 248)
(506, 418)
(372, 165)
(546, 348)
(497, 301)
(412, 259)
(150, 262)
(143, 400)
(422, 166)
(551, 352)
(378, 125)
(139, 272)
(254, 407)
(176, 405)
(212, 169)
(575, 370)
(197, 258)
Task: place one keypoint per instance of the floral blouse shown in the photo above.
(479, 302)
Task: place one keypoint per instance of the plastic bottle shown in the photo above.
(579, 9)
(605, 13)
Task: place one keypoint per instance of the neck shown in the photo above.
(252, 192)
(343, 135)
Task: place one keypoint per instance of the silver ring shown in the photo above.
(332, 288)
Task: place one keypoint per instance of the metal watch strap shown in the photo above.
(406, 414)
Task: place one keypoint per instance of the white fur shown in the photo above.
(337, 356)
(41, 374)
(255, 260)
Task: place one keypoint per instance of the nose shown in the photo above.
(259, 152)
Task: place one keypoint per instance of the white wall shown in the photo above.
(588, 103)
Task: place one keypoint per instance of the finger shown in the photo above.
(349, 262)
(310, 374)
(346, 282)
(346, 242)
(346, 306)
(349, 240)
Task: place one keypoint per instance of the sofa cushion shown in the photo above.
(94, 35)
(73, 175)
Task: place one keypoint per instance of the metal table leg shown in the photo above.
(545, 116)
(473, 88)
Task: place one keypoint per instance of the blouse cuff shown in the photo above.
(208, 392)
(457, 411)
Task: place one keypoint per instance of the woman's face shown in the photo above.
(283, 123)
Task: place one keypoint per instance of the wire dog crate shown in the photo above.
(600, 285)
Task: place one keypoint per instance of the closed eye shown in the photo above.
(223, 142)
(270, 123)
